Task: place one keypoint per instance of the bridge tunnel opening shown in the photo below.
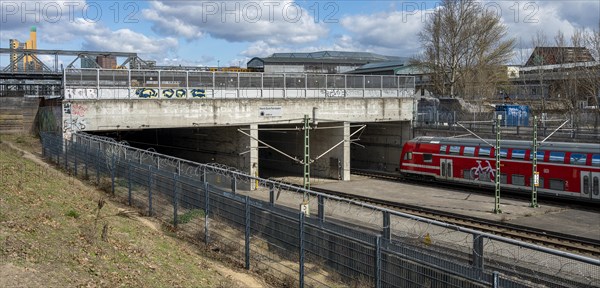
(380, 145)
(280, 151)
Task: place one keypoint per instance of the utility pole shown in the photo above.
(535, 175)
(306, 179)
(497, 190)
(497, 153)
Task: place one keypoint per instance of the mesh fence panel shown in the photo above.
(342, 242)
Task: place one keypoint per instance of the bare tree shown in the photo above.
(464, 46)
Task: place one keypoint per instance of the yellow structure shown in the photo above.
(28, 62)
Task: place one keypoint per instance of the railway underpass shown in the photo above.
(253, 122)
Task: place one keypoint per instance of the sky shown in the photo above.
(229, 33)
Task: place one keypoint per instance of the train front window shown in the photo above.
(578, 159)
(596, 160)
(557, 157)
(443, 149)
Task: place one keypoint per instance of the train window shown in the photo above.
(443, 149)
(596, 186)
(408, 156)
(503, 153)
(455, 150)
(558, 157)
(467, 174)
(469, 151)
(427, 158)
(557, 184)
(540, 155)
(518, 154)
(503, 178)
(484, 152)
(578, 159)
(518, 180)
(596, 160)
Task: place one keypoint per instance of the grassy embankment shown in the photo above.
(60, 232)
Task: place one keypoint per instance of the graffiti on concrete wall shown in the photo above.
(334, 92)
(73, 124)
(178, 93)
(198, 93)
(77, 93)
(78, 109)
(74, 118)
(146, 93)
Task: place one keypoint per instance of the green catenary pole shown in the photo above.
(306, 156)
(497, 196)
(534, 175)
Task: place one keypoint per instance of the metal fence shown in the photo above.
(343, 242)
(128, 84)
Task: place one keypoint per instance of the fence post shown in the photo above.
(87, 150)
(387, 235)
(129, 182)
(271, 194)
(98, 165)
(175, 199)
(247, 234)
(206, 211)
(66, 155)
(58, 151)
(321, 210)
(149, 190)
(495, 277)
(112, 173)
(203, 177)
(301, 237)
(75, 148)
(233, 184)
(378, 262)
(478, 253)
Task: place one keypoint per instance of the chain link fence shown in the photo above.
(345, 243)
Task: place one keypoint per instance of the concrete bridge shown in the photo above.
(218, 116)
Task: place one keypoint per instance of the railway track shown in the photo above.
(564, 242)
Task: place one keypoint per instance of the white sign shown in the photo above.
(536, 179)
(270, 111)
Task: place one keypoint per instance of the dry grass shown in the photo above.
(55, 233)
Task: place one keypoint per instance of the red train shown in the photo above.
(569, 170)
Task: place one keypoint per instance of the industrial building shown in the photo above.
(324, 62)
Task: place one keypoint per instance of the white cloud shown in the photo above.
(274, 22)
(394, 31)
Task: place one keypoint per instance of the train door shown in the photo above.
(446, 168)
(590, 184)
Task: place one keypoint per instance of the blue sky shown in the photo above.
(204, 33)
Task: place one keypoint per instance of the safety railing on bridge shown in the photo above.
(344, 242)
(169, 84)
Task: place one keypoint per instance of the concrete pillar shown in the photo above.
(253, 154)
(336, 163)
(346, 153)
